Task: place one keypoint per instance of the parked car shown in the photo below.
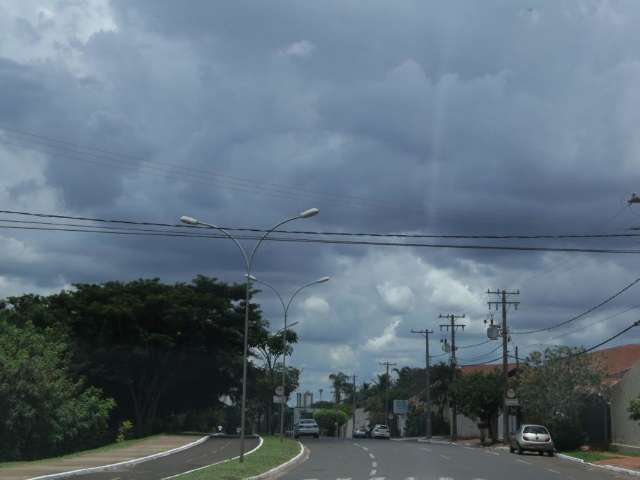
(379, 431)
(306, 427)
(360, 433)
(535, 438)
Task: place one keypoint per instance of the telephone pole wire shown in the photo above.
(502, 295)
(427, 409)
(386, 394)
(452, 326)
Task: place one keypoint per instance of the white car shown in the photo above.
(380, 431)
(308, 427)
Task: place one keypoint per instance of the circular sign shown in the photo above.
(511, 393)
(279, 390)
(391, 416)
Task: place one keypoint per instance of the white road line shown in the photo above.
(371, 455)
(374, 464)
(446, 458)
(426, 449)
(378, 478)
(372, 473)
(523, 461)
(553, 471)
(492, 453)
(410, 478)
(348, 478)
(365, 449)
(446, 478)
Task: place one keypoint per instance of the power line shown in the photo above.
(478, 357)
(583, 314)
(475, 344)
(482, 363)
(338, 242)
(335, 233)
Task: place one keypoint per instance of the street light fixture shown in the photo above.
(285, 308)
(248, 261)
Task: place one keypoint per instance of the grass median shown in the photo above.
(272, 453)
(592, 455)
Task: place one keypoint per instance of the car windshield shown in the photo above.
(535, 429)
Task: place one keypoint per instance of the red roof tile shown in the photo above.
(616, 361)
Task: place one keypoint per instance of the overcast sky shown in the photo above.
(413, 116)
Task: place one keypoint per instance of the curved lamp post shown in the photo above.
(248, 261)
(285, 308)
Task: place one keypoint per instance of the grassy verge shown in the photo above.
(592, 455)
(104, 448)
(270, 455)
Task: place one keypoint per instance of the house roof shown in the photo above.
(616, 361)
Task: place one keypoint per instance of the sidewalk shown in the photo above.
(94, 458)
(629, 463)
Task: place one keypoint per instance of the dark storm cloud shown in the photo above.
(417, 117)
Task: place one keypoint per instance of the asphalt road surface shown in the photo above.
(366, 459)
(211, 451)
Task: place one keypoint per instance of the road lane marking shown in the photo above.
(492, 453)
(426, 449)
(365, 449)
(446, 458)
(371, 455)
(372, 473)
(374, 464)
(446, 478)
(410, 478)
(553, 471)
(523, 461)
(348, 478)
(378, 478)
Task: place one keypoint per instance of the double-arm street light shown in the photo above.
(248, 262)
(285, 309)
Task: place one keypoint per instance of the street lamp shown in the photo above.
(285, 309)
(248, 261)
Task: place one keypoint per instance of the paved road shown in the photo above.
(332, 459)
(211, 451)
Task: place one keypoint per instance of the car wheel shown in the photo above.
(511, 449)
(551, 454)
(540, 452)
(316, 436)
(520, 450)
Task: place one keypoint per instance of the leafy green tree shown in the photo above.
(340, 382)
(158, 349)
(479, 396)
(634, 409)
(44, 410)
(554, 389)
(328, 420)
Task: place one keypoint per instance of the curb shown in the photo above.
(112, 466)
(612, 468)
(215, 463)
(281, 469)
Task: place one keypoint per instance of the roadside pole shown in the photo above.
(386, 393)
(428, 380)
(452, 327)
(353, 420)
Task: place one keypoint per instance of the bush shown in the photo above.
(327, 420)
(124, 431)
(43, 410)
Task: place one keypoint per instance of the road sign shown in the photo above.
(512, 402)
(511, 393)
(279, 399)
(280, 390)
(401, 407)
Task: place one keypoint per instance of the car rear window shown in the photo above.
(538, 430)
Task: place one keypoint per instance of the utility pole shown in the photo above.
(386, 394)
(452, 326)
(428, 379)
(353, 425)
(502, 294)
(517, 358)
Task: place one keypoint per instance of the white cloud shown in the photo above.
(397, 297)
(342, 357)
(301, 49)
(388, 336)
(316, 305)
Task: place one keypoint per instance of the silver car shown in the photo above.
(380, 431)
(535, 438)
(308, 427)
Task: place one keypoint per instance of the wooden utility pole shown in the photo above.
(428, 379)
(386, 394)
(505, 366)
(452, 326)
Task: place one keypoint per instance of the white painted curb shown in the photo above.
(635, 473)
(112, 466)
(216, 463)
(280, 468)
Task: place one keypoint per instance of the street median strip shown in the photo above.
(604, 467)
(270, 459)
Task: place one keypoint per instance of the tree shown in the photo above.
(328, 420)
(341, 385)
(150, 345)
(479, 396)
(634, 409)
(554, 389)
(44, 410)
